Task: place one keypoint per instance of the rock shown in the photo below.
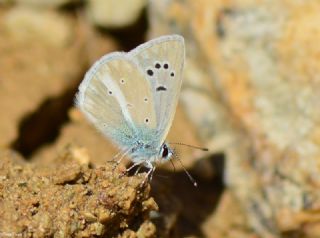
(50, 51)
(147, 230)
(75, 207)
(79, 132)
(115, 13)
(24, 24)
(229, 220)
(4, 2)
(254, 66)
(36, 50)
(45, 4)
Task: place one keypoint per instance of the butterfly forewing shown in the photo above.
(162, 61)
(117, 99)
(136, 91)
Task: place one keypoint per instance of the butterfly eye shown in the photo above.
(165, 152)
(150, 72)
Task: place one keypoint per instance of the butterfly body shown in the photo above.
(131, 97)
(144, 146)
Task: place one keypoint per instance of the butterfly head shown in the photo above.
(165, 152)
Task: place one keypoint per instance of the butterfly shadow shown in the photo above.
(183, 206)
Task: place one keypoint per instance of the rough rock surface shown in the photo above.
(40, 3)
(114, 13)
(255, 67)
(31, 46)
(68, 199)
(79, 132)
(50, 51)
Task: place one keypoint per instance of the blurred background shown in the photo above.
(250, 94)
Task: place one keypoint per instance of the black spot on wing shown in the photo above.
(161, 88)
(150, 72)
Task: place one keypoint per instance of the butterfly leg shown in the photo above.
(150, 172)
(131, 167)
(113, 160)
(116, 163)
(137, 171)
(134, 165)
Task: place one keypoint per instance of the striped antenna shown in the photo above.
(192, 146)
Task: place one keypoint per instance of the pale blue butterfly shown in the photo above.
(132, 97)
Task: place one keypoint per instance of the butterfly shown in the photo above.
(132, 97)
